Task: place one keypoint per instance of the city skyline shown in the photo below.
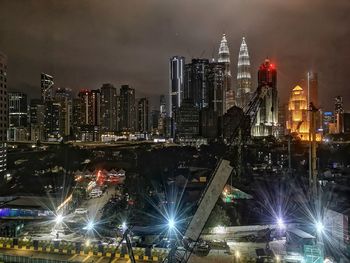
(115, 44)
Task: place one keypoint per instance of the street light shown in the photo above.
(171, 224)
(237, 254)
(90, 226)
(319, 227)
(59, 219)
(280, 223)
(124, 226)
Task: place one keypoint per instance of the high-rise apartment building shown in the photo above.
(18, 116)
(143, 115)
(267, 117)
(224, 57)
(108, 108)
(244, 81)
(52, 121)
(63, 96)
(176, 83)
(3, 114)
(127, 109)
(46, 85)
(187, 120)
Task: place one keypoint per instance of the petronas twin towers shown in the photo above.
(240, 95)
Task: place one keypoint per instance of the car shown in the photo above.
(81, 211)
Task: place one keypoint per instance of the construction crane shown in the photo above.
(126, 237)
(182, 249)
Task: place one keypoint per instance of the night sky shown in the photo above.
(85, 43)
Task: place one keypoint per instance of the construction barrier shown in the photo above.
(71, 248)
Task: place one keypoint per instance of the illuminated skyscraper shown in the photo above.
(46, 87)
(143, 115)
(127, 109)
(176, 83)
(297, 121)
(244, 82)
(267, 116)
(224, 57)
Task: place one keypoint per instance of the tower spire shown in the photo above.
(244, 83)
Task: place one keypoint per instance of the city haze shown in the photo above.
(84, 44)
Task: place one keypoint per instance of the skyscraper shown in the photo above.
(297, 121)
(224, 57)
(216, 90)
(63, 96)
(176, 83)
(127, 109)
(143, 115)
(267, 116)
(3, 113)
(18, 116)
(196, 83)
(37, 118)
(108, 108)
(244, 82)
(46, 87)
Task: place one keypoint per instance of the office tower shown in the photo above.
(18, 107)
(3, 114)
(37, 118)
(127, 109)
(18, 116)
(52, 121)
(267, 117)
(313, 88)
(63, 96)
(143, 115)
(84, 105)
(215, 78)
(338, 112)
(108, 108)
(196, 84)
(297, 120)
(187, 120)
(244, 82)
(96, 107)
(176, 83)
(224, 57)
(46, 87)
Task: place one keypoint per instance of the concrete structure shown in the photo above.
(3, 114)
(266, 123)
(224, 57)
(244, 82)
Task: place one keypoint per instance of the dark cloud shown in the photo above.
(85, 43)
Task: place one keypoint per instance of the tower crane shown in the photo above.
(182, 249)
